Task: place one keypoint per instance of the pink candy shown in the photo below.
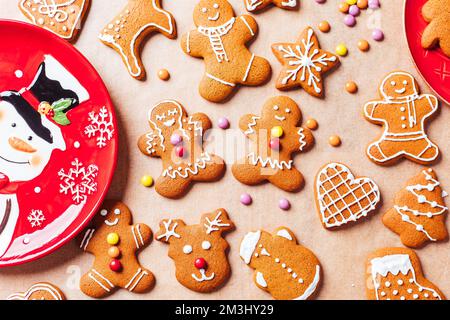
(224, 123)
(274, 144)
(377, 35)
(175, 139)
(354, 10)
(349, 20)
(374, 4)
(284, 204)
(246, 199)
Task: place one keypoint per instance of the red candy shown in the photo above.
(179, 151)
(115, 265)
(274, 144)
(200, 263)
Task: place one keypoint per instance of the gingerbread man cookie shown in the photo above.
(127, 31)
(220, 39)
(285, 269)
(256, 5)
(177, 139)
(62, 17)
(275, 137)
(114, 242)
(419, 211)
(402, 113)
(396, 274)
(437, 13)
(39, 291)
(199, 251)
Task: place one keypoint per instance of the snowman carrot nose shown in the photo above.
(20, 145)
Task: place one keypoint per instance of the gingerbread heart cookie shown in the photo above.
(220, 39)
(199, 251)
(285, 269)
(396, 274)
(62, 17)
(129, 29)
(275, 137)
(115, 241)
(341, 198)
(177, 139)
(256, 5)
(402, 112)
(437, 33)
(39, 291)
(419, 211)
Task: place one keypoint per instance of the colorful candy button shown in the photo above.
(363, 45)
(324, 26)
(200, 263)
(115, 265)
(274, 144)
(112, 238)
(147, 181)
(276, 132)
(223, 123)
(114, 252)
(344, 7)
(341, 50)
(284, 204)
(163, 74)
(377, 35)
(351, 87)
(335, 141)
(374, 4)
(179, 151)
(354, 10)
(351, 2)
(350, 20)
(362, 4)
(175, 139)
(312, 124)
(246, 199)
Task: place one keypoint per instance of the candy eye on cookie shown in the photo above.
(112, 221)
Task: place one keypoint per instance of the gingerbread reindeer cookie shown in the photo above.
(220, 39)
(39, 291)
(115, 241)
(177, 139)
(127, 31)
(396, 274)
(275, 137)
(402, 113)
(285, 269)
(199, 251)
(437, 13)
(256, 5)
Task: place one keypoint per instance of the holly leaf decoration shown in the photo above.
(62, 104)
(61, 118)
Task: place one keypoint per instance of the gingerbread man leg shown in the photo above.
(165, 186)
(213, 171)
(142, 281)
(424, 150)
(248, 174)
(287, 180)
(215, 89)
(382, 151)
(95, 284)
(257, 66)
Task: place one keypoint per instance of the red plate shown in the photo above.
(433, 65)
(58, 145)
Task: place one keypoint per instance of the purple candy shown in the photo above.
(246, 199)
(175, 139)
(374, 4)
(224, 123)
(349, 20)
(354, 10)
(284, 204)
(377, 35)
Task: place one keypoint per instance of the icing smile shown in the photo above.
(169, 123)
(15, 162)
(113, 223)
(400, 91)
(204, 276)
(215, 18)
(280, 118)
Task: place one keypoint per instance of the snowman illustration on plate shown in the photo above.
(30, 130)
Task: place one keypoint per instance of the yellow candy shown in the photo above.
(277, 131)
(112, 238)
(341, 50)
(351, 2)
(147, 181)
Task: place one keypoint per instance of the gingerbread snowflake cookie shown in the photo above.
(275, 137)
(199, 251)
(177, 139)
(256, 5)
(115, 241)
(341, 198)
(419, 211)
(396, 274)
(220, 39)
(62, 17)
(437, 14)
(304, 64)
(39, 291)
(402, 112)
(285, 269)
(129, 29)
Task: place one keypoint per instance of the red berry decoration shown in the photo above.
(115, 265)
(179, 151)
(200, 263)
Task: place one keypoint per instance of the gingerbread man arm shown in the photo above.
(85, 240)
(248, 25)
(249, 124)
(374, 110)
(150, 145)
(142, 235)
(193, 43)
(305, 139)
(430, 102)
(200, 119)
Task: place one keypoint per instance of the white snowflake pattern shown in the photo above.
(79, 181)
(36, 218)
(101, 127)
(305, 60)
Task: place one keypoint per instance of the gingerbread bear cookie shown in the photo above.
(61, 17)
(304, 64)
(285, 269)
(129, 29)
(396, 274)
(220, 39)
(341, 198)
(437, 13)
(419, 211)
(114, 242)
(256, 5)
(402, 113)
(177, 139)
(39, 291)
(199, 251)
(275, 137)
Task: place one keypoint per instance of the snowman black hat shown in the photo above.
(52, 84)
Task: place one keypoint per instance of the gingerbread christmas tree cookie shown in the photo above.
(256, 5)
(419, 211)
(304, 64)
(220, 39)
(437, 13)
(177, 139)
(275, 137)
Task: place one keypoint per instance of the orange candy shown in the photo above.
(362, 4)
(163, 74)
(114, 252)
(324, 26)
(312, 124)
(343, 7)
(363, 45)
(335, 141)
(351, 87)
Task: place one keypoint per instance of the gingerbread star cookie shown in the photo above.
(39, 291)
(437, 14)
(177, 139)
(419, 211)
(275, 137)
(127, 31)
(304, 64)
(256, 5)
(396, 274)
(62, 17)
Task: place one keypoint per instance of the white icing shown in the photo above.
(187, 249)
(169, 230)
(106, 285)
(260, 279)
(137, 236)
(215, 35)
(206, 245)
(253, 4)
(203, 277)
(249, 66)
(248, 245)
(134, 281)
(285, 234)
(186, 171)
(301, 138)
(252, 124)
(220, 80)
(312, 287)
(247, 25)
(37, 287)
(215, 225)
(273, 163)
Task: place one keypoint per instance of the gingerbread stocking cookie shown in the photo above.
(177, 139)
(437, 13)
(402, 113)
(275, 137)
(220, 39)
(114, 242)
(199, 251)
(127, 31)
(256, 5)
